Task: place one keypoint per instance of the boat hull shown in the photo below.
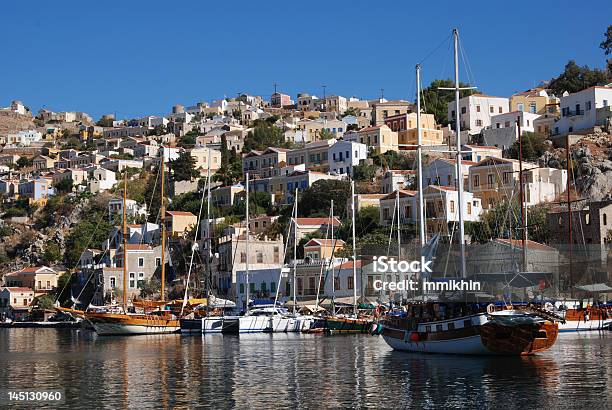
(108, 324)
(348, 325)
(203, 325)
(571, 326)
(473, 335)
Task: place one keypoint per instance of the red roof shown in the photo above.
(530, 244)
(349, 265)
(17, 289)
(317, 221)
(138, 247)
(324, 242)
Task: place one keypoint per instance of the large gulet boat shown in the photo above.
(125, 321)
(457, 327)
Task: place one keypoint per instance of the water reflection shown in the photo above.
(286, 370)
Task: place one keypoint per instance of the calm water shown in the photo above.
(289, 371)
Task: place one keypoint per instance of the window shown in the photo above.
(451, 326)
(157, 261)
(251, 287)
(349, 283)
(479, 123)
(452, 206)
(587, 105)
(587, 219)
(113, 282)
(500, 110)
(491, 109)
(490, 180)
(39, 284)
(243, 257)
(48, 284)
(520, 107)
(259, 257)
(507, 124)
(476, 180)
(605, 103)
(140, 262)
(478, 108)
(532, 108)
(273, 287)
(469, 208)
(463, 110)
(605, 219)
(276, 254)
(336, 283)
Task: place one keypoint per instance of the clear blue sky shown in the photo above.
(141, 57)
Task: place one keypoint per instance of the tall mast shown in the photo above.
(354, 249)
(523, 203)
(458, 137)
(209, 246)
(125, 235)
(295, 234)
(247, 243)
(399, 236)
(569, 213)
(163, 230)
(333, 284)
(421, 216)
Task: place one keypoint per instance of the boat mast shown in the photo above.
(246, 275)
(421, 216)
(399, 236)
(354, 249)
(569, 213)
(523, 203)
(459, 172)
(209, 245)
(332, 262)
(125, 235)
(163, 231)
(295, 234)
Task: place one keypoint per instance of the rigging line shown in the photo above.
(280, 279)
(467, 67)
(81, 254)
(436, 48)
(195, 239)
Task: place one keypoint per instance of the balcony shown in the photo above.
(574, 113)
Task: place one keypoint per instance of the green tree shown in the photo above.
(325, 134)
(46, 302)
(259, 203)
(575, 78)
(183, 168)
(364, 172)
(190, 202)
(316, 200)
(606, 44)
(189, 139)
(351, 111)
(230, 170)
(23, 162)
(435, 101)
(52, 253)
(65, 185)
(90, 232)
(534, 146)
(264, 135)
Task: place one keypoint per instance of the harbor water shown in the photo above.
(293, 370)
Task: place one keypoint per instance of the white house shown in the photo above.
(133, 209)
(102, 179)
(476, 111)
(503, 131)
(443, 172)
(394, 178)
(24, 138)
(579, 110)
(344, 155)
(441, 204)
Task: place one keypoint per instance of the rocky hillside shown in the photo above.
(11, 122)
(592, 162)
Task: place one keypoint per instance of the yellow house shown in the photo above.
(41, 279)
(406, 128)
(200, 155)
(378, 138)
(179, 222)
(535, 101)
(322, 248)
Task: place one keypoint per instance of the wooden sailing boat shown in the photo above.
(459, 327)
(153, 321)
(349, 323)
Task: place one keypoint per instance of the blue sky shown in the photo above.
(136, 58)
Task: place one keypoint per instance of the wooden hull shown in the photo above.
(472, 335)
(114, 324)
(348, 325)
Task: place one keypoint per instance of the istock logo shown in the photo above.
(383, 264)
